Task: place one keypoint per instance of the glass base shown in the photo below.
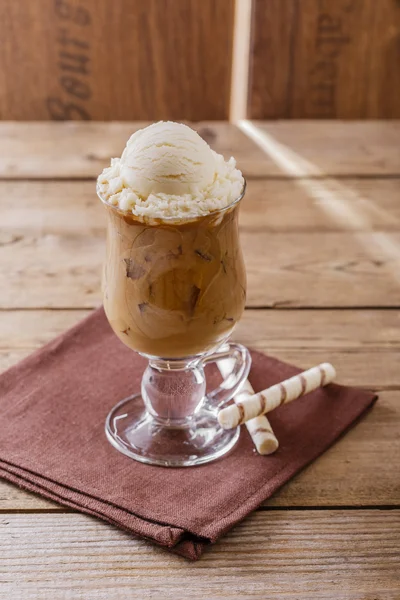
(134, 432)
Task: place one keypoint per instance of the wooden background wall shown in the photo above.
(115, 59)
(325, 59)
(159, 59)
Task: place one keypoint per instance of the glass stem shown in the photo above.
(173, 391)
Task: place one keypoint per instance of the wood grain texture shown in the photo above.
(308, 556)
(382, 95)
(325, 59)
(314, 205)
(51, 248)
(347, 474)
(273, 33)
(148, 59)
(49, 207)
(13, 498)
(368, 148)
(375, 369)
(364, 347)
(322, 270)
(57, 270)
(75, 149)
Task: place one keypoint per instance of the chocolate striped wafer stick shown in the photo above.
(281, 393)
(259, 428)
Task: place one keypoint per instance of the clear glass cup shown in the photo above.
(173, 292)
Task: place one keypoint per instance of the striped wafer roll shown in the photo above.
(281, 393)
(259, 428)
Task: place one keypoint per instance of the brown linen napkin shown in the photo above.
(53, 406)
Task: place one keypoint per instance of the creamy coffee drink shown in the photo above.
(173, 290)
(174, 280)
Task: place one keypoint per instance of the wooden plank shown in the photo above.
(271, 57)
(382, 99)
(270, 205)
(304, 59)
(375, 369)
(172, 59)
(323, 148)
(84, 149)
(46, 267)
(317, 269)
(295, 331)
(284, 269)
(73, 150)
(315, 205)
(323, 555)
(364, 347)
(14, 498)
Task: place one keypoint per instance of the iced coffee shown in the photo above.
(174, 280)
(173, 290)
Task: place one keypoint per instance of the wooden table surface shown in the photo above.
(320, 228)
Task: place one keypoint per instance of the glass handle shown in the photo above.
(240, 358)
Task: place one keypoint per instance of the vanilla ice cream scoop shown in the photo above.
(168, 171)
(167, 158)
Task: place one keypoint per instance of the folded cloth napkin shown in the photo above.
(53, 406)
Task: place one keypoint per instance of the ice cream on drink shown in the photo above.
(174, 280)
(168, 171)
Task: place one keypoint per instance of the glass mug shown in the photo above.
(173, 292)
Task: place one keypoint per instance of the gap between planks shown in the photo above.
(328, 507)
(277, 306)
(250, 177)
